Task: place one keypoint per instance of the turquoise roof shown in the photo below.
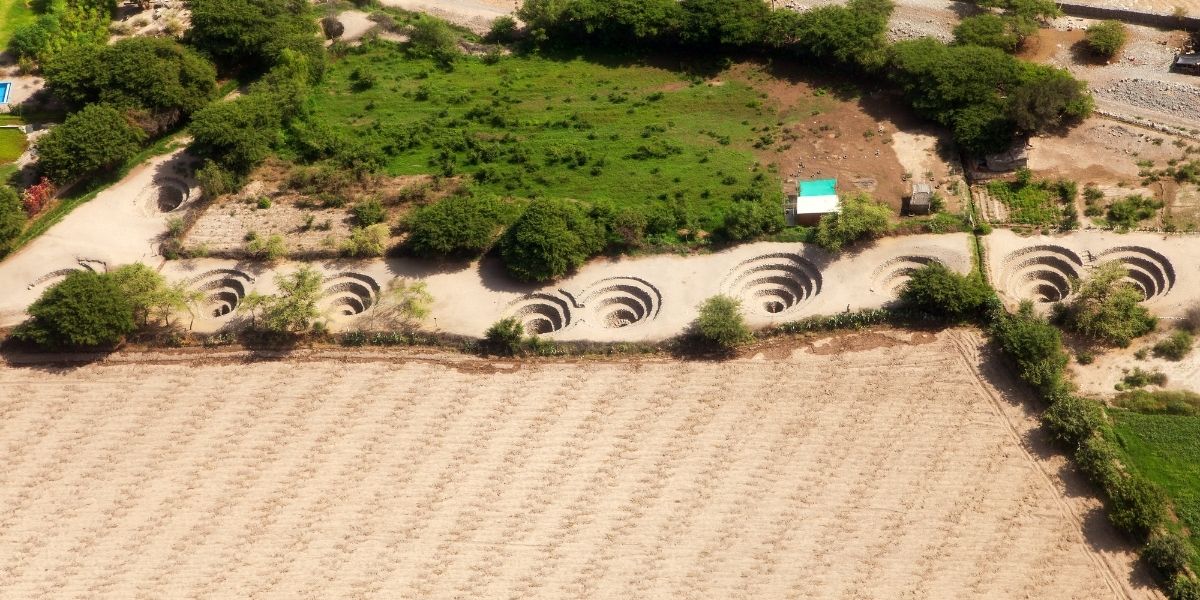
(818, 187)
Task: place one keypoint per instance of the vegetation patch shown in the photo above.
(1165, 448)
(1030, 202)
(12, 144)
(612, 135)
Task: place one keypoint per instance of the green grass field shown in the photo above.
(12, 144)
(1166, 449)
(13, 13)
(533, 126)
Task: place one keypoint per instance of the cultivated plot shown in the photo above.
(879, 465)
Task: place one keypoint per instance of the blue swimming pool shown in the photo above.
(4, 85)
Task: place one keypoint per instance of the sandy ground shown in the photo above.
(1109, 368)
(120, 225)
(1041, 268)
(476, 15)
(911, 475)
(642, 299)
(357, 24)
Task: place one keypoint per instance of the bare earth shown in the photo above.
(875, 465)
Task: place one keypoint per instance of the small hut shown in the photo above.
(920, 202)
(813, 200)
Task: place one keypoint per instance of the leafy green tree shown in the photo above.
(410, 301)
(155, 74)
(29, 40)
(990, 30)
(937, 290)
(252, 34)
(724, 22)
(1168, 552)
(238, 134)
(749, 220)
(1048, 98)
(860, 217)
(1107, 308)
(458, 226)
(602, 22)
(84, 310)
(12, 217)
(1034, 344)
(721, 323)
(149, 294)
(550, 239)
(295, 307)
(850, 34)
(94, 139)
(1106, 38)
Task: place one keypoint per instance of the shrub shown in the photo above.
(367, 241)
(238, 134)
(1073, 419)
(750, 220)
(38, 195)
(1035, 345)
(253, 34)
(550, 239)
(433, 38)
(271, 248)
(1176, 346)
(1126, 213)
(1140, 378)
(937, 290)
(369, 213)
(1191, 320)
(463, 226)
(721, 325)
(214, 180)
(86, 309)
(1137, 505)
(1107, 308)
(12, 217)
(1168, 402)
(1106, 38)
(1185, 587)
(859, 217)
(97, 138)
(504, 30)
(504, 336)
(295, 308)
(991, 30)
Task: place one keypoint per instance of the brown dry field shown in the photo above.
(874, 465)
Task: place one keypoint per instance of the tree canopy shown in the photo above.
(1108, 308)
(937, 290)
(252, 34)
(721, 324)
(550, 239)
(458, 226)
(12, 217)
(155, 74)
(86, 309)
(860, 217)
(96, 138)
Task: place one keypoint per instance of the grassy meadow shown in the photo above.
(529, 126)
(13, 14)
(1166, 450)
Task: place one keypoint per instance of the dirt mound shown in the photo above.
(224, 289)
(1150, 271)
(1043, 273)
(774, 283)
(621, 301)
(350, 294)
(891, 276)
(541, 313)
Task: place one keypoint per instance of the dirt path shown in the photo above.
(903, 467)
(476, 15)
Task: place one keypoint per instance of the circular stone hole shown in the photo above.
(774, 307)
(169, 198)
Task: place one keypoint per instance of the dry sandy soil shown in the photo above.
(476, 15)
(878, 465)
(1109, 368)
